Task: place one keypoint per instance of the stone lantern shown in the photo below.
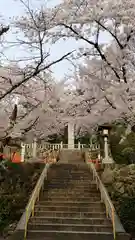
(104, 130)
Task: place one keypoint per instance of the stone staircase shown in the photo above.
(71, 156)
(70, 207)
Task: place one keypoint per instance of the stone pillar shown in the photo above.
(79, 145)
(22, 152)
(99, 157)
(70, 135)
(61, 145)
(35, 148)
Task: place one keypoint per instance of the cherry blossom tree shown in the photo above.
(86, 20)
(114, 62)
(32, 40)
(25, 82)
(103, 86)
(102, 100)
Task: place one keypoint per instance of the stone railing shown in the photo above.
(35, 150)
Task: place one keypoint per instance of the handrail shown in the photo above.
(110, 210)
(22, 226)
(35, 195)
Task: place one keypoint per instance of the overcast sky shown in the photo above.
(10, 8)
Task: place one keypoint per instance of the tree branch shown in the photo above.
(96, 46)
(110, 103)
(121, 46)
(25, 130)
(7, 78)
(112, 34)
(35, 73)
(3, 30)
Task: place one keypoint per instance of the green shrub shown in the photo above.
(127, 214)
(17, 183)
(122, 153)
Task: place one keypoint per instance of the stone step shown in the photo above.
(73, 235)
(70, 195)
(69, 208)
(71, 204)
(81, 180)
(76, 182)
(68, 184)
(80, 169)
(70, 227)
(73, 166)
(68, 199)
(71, 159)
(69, 189)
(79, 177)
(71, 214)
(70, 167)
(72, 172)
(63, 220)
